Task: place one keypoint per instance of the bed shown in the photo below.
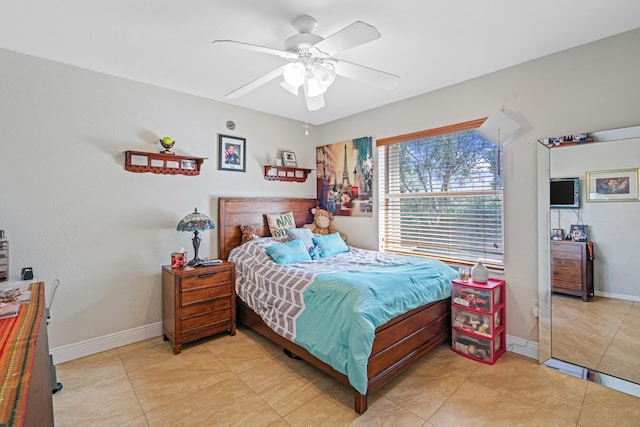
(397, 344)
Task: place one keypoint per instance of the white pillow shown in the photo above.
(301, 233)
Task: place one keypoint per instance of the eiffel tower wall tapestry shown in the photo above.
(345, 177)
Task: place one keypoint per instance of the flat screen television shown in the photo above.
(564, 193)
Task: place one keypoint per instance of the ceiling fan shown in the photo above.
(311, 63)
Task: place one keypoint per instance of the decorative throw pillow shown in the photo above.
(280, 223)
(301, 233)
(248, 233)
(331, 244)
(289, 252)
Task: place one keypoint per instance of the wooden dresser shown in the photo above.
(197, 302)
(572, 268)
(25, 366)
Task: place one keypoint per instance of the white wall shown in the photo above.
(72, 212)
(613, 226)
(591, 87)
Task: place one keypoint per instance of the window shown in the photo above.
(440, 195)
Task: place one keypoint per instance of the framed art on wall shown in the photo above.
(289, 159)
(232, 153)
(613, 186)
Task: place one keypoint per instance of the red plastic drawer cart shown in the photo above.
(478, 319)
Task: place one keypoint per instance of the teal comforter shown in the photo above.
(344, 308)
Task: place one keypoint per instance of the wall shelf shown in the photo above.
(171, 164)
(285, 173)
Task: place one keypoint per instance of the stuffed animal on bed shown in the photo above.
(248, 233)
(322, 223)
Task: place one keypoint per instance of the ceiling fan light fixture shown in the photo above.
(294, 74)
(324, 73)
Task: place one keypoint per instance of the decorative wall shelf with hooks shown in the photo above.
(170, 164)
(285, 173)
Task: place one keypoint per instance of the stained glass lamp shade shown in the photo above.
(195, 222)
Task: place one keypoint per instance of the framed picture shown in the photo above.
(289, 159)
(232, 153)
(557, 234)
(578, 232)
(613, 186)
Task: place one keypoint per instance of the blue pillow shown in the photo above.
(288, 253)
(331, 244)
(301, 233)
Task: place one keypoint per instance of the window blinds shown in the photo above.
(441, 196)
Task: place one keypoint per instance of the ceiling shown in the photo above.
(429, 44)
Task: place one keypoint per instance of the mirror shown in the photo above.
(593, 336)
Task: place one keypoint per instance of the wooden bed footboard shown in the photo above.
(396, 346)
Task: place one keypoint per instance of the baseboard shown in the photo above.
(617, 296)
(522, 347)
(107, 342)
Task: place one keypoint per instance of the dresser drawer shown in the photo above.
(205, 293)
(562, 273)
(566, 263)
(566, 249)
(194, 282)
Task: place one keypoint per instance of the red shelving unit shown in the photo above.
(478, 314)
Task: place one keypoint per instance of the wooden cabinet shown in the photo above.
(478, 319)
(197, 302)
(572, 268)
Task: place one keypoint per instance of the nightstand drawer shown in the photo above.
(208, 306)
(202, 280)
(194, 323)
(202, 294)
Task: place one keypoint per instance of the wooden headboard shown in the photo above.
(236, 211)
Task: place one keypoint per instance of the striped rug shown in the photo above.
(17, 348)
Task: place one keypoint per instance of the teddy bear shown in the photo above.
(248, 233)
(322, 223)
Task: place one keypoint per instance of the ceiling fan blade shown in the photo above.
(367, 75)
(257, 48)
(315, 102)
(351, 36)
(255, 83)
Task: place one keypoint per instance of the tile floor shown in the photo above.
(247, 381)
(602, 334)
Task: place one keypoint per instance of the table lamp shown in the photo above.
(195, 222)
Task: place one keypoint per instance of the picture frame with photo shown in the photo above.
(289, 159)
(557, 234)
(613, 186)
(232, 153)
(579, 232)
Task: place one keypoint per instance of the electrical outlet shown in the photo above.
(534, 308)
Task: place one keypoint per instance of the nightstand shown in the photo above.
(197, 302)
